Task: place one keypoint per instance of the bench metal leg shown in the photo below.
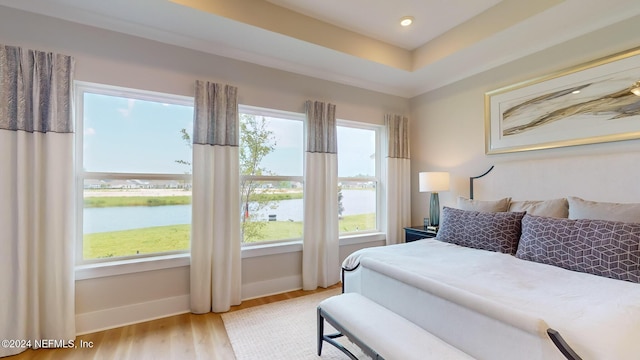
(330, 337)
(562, 345)
(320, 331)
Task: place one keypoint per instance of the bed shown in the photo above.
(553, 279)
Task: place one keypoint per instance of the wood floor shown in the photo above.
(185, 336)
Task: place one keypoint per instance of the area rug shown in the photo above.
(283, 330)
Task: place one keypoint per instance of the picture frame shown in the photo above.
(586, 104)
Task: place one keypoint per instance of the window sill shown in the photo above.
(362, 238)
(296, 246)
(271, 249)
(129, 266)
(121, 267)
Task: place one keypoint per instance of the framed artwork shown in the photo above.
(590, 103)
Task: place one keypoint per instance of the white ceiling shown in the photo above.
(379, 19)
(354, 42)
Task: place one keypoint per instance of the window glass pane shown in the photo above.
(356, 152)
(271, 210)
(135, 136)
(146, 213)
(357, 206)
(135, 217)
(270, 146)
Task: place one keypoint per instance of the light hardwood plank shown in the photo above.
(185, 336)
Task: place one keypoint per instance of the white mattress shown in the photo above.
(598, 317)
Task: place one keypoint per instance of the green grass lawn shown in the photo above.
(171, 238)
(110, 201)
(137, 241)
(357, 222)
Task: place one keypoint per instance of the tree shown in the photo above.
(187, 140)
(256, 142)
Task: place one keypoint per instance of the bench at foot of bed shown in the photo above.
(379, 332)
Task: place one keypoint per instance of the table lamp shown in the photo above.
(434, 182)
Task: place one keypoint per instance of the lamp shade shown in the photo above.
(433, 181)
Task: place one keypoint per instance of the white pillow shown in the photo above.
(484, 205)
(594, 210)
(556, 208)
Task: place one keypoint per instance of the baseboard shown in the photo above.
(130, 314)
(270, 287)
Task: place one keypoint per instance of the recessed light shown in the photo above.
(576, 92)
(406, 21)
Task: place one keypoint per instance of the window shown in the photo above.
(271, 175)
(358, 177)
(134, 157)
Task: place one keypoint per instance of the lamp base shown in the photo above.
(434, 210)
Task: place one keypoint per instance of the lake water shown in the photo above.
(134, 217)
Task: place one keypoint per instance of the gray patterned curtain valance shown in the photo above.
(398, 136)
(216, 114)
(321, 127)
(35, 90)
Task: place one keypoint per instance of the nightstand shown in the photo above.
(414, 233)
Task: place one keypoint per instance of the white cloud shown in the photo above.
(126, 112)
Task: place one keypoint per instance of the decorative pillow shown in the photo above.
(584, 209)
(495, 231)
(484, 205)
(606, 248)
(557, 208)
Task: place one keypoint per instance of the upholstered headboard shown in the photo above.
(606, 177)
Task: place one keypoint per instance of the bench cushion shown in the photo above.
(387, 333)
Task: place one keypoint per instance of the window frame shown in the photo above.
(378, 130)
(80, 88)
(95, 268)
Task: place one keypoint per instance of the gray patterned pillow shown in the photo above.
(600, 247)
(498, 231)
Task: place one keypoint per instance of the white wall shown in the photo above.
(447, 128)
(447, 125)
(112, 58)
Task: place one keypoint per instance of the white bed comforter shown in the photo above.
(598, 317)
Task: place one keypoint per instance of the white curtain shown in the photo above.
(398, 194)
(320, 259)
(215, 234)
(37, 197)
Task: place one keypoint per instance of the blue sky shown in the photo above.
(137, 136)
(356, 152)
(355, 149)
